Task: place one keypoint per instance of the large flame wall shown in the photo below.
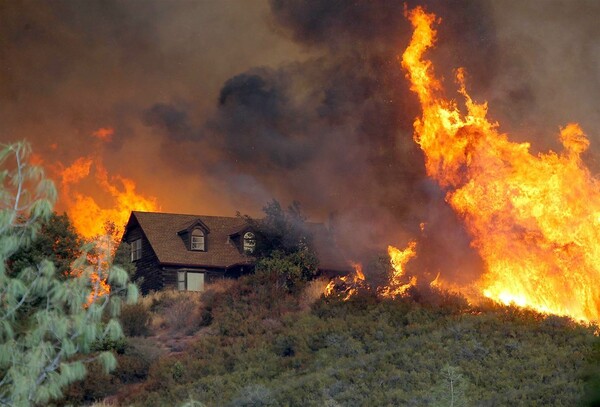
(534, 219)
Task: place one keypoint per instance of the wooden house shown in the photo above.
(187, 251)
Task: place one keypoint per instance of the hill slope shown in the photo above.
(268, 348)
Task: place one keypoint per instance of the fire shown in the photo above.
(99, 262)
(101, 224)
(398, 283)
(534, 219)
(347, 286)
(88, 216)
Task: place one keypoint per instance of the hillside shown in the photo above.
(246, 343)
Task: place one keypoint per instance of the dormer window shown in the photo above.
(198, 240)
(249, 242)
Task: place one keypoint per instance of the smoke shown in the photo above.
(548, 66)
(335, 131)
(289, 99)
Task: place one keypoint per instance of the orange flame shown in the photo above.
(347, 286)
(88, 216)
(534, 219)
(93, 220)
(398, 283)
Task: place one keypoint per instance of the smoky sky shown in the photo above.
(221, 106)
(334, 131)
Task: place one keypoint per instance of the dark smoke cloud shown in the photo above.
(171, 119)
(335, 131)
(257, 123)
(70, 67)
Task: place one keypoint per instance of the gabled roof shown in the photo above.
(195, 224)
(161, 230)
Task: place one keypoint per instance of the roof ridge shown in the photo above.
(186, 214)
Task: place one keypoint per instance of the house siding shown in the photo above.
(147, 268)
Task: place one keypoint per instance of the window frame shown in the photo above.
(136, 249)
(181, 281)
(198, 240)
(249, 242)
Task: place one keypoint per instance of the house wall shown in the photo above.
(147, 267)
(169, 275)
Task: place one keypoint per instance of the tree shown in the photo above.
(284, 245)
(48, 324)
(122, 254)
(57, 241)
(452, 390)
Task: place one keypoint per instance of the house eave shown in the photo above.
(204, 266)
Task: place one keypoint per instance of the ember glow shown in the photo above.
(534, 219)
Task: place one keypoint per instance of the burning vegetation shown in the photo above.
(98, 205)
(533, 219)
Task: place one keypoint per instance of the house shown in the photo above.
(187, 251)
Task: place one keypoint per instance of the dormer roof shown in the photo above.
(163, 233)
(196, 224)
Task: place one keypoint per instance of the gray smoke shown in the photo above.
(335, 131)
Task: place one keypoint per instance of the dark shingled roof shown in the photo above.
(162, 229)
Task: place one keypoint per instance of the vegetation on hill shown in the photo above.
(251, 343)
(267, 339)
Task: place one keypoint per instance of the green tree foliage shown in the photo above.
(123, 260)
(284, 245)
(57, 241)
(452, 389)
(123, 252)
(47, 323)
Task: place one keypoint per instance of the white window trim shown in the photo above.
(249, 242)
(198, 242)
(183, 280)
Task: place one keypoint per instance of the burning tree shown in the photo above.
(46, 322)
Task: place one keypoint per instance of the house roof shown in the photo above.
(163, 232)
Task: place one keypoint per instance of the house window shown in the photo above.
(249, 242)
(190, 281)
(136, 249)
(181, 280)
(198, 242)
(195, 281)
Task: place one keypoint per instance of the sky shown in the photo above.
(218, 106)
